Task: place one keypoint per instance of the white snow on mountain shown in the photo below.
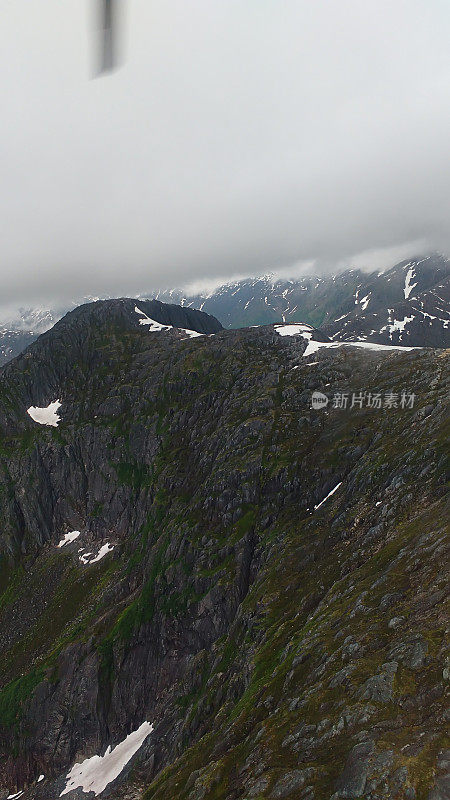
(152, 324)
(313, 347)
(46, 415)
(408, 285)
(69, 537)
(328, 495)
(397, 325)
(156, 326)
(293, 330)
(86, 558)
(94, 774)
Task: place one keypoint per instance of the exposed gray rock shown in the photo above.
(258, 787)
(380, 687)
(342, 676)
(291, 782)
(441, 791)
(411, 654)
(352, 782)
(396, 622)
(390, 599)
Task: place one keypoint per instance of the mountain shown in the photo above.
(13, 342)
(408, 304)
(18, 332)
(266, 300)
(208, 589)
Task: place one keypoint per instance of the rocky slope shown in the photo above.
(262, 582)
(13, 342)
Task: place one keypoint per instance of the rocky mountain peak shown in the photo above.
(130, 312)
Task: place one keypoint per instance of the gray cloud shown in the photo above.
(240, 136)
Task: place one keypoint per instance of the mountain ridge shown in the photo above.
(371, 302)
(351, 305)
(246, 573)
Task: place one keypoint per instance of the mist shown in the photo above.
(236, 138)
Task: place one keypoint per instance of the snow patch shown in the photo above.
(430, 316)
(152, 324)
(47, 415)
(410, 275)
(14, 796)
(397, 325)
(157, 326)
(69, 537)
(365, 301)
(293, 330)
(343, 317)
(85, 558)
(41, 778)
(94, 774)
(328, 495)
(313, 347)
(190, 333)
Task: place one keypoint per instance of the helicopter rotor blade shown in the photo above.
(108, 13)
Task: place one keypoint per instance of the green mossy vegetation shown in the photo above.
(15, 695)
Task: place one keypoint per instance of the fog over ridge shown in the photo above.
(238, 138)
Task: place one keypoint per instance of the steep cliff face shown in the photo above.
(194, 547)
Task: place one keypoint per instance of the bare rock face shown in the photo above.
(195, 547)
(352, 782)
(380, 687)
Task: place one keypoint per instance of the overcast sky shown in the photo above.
(239, 137)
